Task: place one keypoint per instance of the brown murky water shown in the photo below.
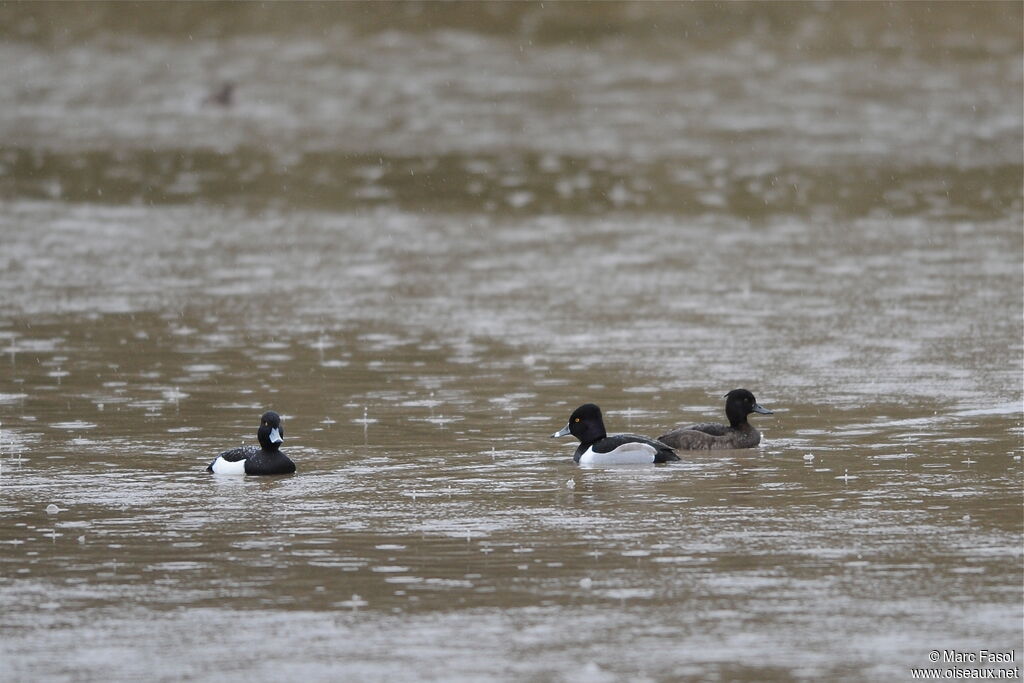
(424, 234)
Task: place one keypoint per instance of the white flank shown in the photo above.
(222, 466)
(633, 453)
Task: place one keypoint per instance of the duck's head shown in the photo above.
(271, 431)
(585, 423)
(739, 403)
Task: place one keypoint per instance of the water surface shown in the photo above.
(424, 236)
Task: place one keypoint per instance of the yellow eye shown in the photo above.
(577, 419)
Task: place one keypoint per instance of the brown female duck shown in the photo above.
(713, 436)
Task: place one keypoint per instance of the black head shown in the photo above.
(271, 431)
(739, 403)
(585, 423)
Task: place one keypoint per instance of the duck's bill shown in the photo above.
(275, 436)
(564, 431)
(759, 409)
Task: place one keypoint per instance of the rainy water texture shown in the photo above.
(424, 234)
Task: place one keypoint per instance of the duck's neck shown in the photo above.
(739, 424)
(737, 416)
(266, 445)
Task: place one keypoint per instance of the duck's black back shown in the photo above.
(234, 455)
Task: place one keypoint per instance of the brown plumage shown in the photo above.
(714, 436)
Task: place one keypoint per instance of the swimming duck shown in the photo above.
(597, 448)
(267, 459)
(714, 436)
(223, 96)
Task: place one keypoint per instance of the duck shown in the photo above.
(597, 448)
(267, 459)
(223, 96)
(715, 436)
